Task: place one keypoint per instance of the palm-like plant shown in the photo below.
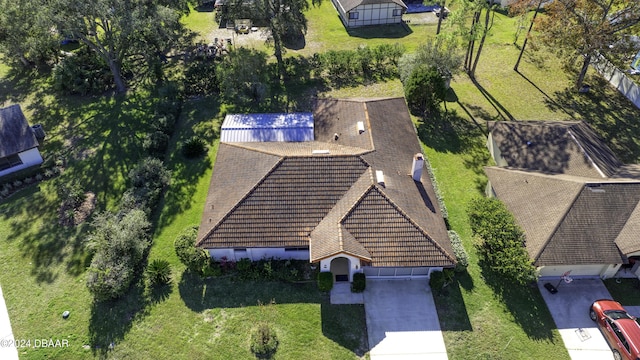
(159, 272)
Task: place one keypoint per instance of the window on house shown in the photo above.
(397, 12)
(10, 161)
(353, 15)
(295, 249)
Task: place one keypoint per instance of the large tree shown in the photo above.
(286, 22)
(121, 30)
(473, 26)
(25, 32)
(583, 29)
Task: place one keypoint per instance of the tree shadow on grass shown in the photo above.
(610, 114)
(340, 324)
(452, 312)
(524, 302)
(111, 320)
(450, 132)
(200, 293)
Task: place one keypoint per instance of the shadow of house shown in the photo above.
(576, 202)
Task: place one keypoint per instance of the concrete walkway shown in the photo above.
(569, 308)
(7, 351)
(402, 322)
(341, 294)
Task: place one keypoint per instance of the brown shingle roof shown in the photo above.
(15, 134)
(331, 202)
(570, 220)
(567, 147)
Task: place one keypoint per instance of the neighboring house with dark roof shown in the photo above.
(18, 143)
(354, 198)
(578, 205)
(354, 13)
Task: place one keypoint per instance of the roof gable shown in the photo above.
(15, 134)
(390, 236)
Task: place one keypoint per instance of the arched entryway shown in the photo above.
(340, 268)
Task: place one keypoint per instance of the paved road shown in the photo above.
(402, 322)
(569, 308)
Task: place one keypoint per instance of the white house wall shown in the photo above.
(256, 254)
(354, 264)
(29, 158)
(373, 14)
(596, 270)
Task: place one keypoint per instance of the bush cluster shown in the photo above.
(148, 180)
(438, 280)
(166, 115)
(193, 147)
(119, 243)
(358, 66)
(264, 341)
(325, 281)
(271, 269)
(195, 259)
(200, 77)
(81, 73)
(502, 243)
(359, 282)
(458, 250)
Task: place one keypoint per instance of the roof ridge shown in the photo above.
(242, 198)
(584, 152)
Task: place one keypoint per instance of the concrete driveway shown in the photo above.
(402, 322)
(569, 308)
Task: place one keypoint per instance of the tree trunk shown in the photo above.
(441, 16)
(114, 66)
(469, 55)
(484, 37)
(583, 71)
(277, 44)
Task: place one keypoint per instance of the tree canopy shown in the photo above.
(582, 29)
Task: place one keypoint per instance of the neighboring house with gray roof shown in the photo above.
(18, 144)
(578, 205)
(355, 13)
(352, 199)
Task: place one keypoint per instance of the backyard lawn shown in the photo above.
(98, 140)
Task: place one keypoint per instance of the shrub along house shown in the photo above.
(578, 205)
(18, 143)
(342, 187)
(354, 13)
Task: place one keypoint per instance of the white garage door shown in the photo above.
(395, 272)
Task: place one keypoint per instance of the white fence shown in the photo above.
(618, 79)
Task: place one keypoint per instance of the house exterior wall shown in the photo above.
(370, 14)
(595, 270)
(255, 254)
(29, 158)
(494, 150)
(354, 264)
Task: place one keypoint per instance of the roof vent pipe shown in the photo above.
(360, 127)
(416, 167)
(380, 177)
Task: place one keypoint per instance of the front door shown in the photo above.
(340, 269)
